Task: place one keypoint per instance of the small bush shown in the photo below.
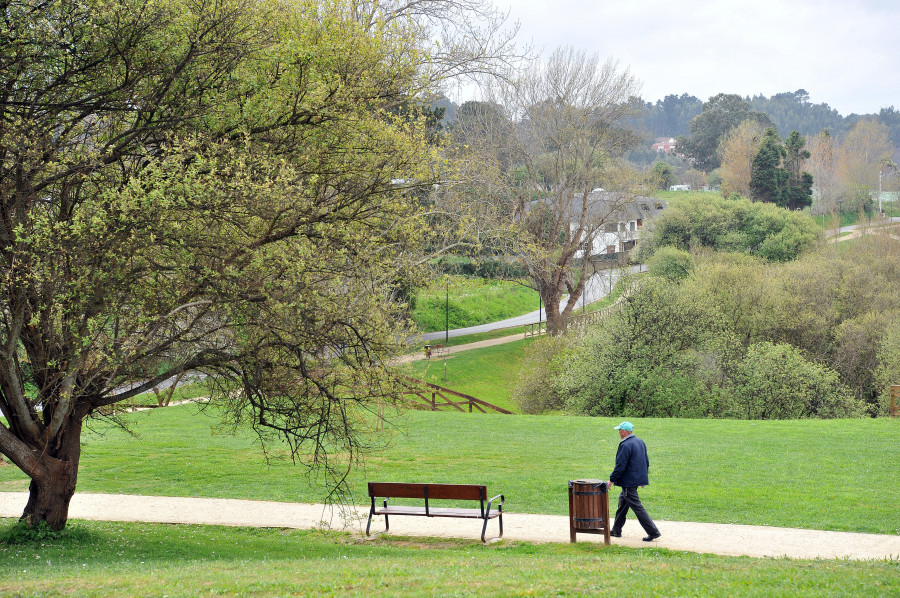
(671, 263)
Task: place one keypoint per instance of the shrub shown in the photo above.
(734, 224)
(671, 263)
(775, 381)
(535, 390)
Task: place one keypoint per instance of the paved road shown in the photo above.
(729, 540)
(598, 287)
(853, 227)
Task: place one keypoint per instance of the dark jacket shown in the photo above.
(632, 465)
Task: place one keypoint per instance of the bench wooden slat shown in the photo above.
(439, 512)
(435, 491)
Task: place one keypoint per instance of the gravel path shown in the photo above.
(730, 540)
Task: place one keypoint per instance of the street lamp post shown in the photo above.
(447, 326)
(540, 308)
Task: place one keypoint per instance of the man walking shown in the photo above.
(632, 470)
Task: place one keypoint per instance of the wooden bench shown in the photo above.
(430, 492)
(436, 350)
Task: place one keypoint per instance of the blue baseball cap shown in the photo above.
(627, 426)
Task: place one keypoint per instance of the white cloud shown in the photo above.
(843, 52)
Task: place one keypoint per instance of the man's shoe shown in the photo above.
(615, 535)
(651, 537)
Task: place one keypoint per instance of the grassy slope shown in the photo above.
(113, 559)
(472, 302)
(835, 475)
(487, 374)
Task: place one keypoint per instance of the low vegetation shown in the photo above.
(738, 337)
(707, 220)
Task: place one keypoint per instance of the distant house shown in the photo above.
(664, 144)
(623, 222)
(680, 188)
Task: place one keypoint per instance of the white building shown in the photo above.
(622, 220)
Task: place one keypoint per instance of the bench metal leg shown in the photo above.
(484, 527)
(387, 525)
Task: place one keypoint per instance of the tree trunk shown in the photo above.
(556, 322)
(53, 481)
(49, 497)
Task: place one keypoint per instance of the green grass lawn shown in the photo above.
(96, 559)
(472, 302)
(820, 474)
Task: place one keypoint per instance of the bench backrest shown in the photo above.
(438, 491)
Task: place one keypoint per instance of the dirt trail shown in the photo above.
(457, 348)
(730, 540)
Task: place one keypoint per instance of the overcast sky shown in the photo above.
(845, 53)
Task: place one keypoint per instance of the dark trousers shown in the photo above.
(629, 499)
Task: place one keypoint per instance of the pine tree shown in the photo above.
(767, 177)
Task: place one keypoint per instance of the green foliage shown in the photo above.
(887, 370)
(775, 174)
(20, 533)
(815, 337)
(733, 224)
(662, 175)
(767, 178)
(670, 262)
(641, 361)
(534, 391)
(668, 117)
(777, 382)
(720, 114)
(211, 187)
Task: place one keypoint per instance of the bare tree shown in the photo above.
(737, 153)
(822, 164)
(455, 38)
(551, 138)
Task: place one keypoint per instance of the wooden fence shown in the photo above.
(895, 400)
(535, 329)
(438, 398)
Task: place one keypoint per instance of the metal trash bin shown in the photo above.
(588, 508)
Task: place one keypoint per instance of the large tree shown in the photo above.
(556, 142)
(721, 114)
(219, 187)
